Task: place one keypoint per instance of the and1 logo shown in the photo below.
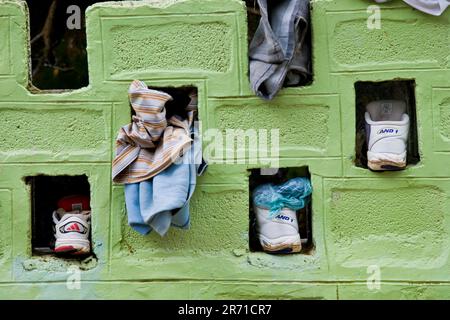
(387, 130)
(285, 218)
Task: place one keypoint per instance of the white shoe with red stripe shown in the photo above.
(72, 231)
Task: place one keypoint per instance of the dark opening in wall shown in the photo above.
(386, 99)
(253, 19)
(259, 177)
(58, 43)
(253, 16)
(181, 98)
(46, 193)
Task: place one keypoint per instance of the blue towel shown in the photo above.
(163, 201)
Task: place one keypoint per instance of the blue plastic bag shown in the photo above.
(292, 194)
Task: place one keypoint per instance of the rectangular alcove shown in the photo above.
(181, 98)
(253, 18)
(46, 191)
(366, 92)
(304, 215)
(58, 44)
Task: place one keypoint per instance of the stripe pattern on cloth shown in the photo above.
(150, 143)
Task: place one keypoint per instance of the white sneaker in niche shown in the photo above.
(387, 129)
(72, 231)
(278, 234)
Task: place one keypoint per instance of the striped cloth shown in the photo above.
(150, 143)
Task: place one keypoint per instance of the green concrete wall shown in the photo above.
(399, 221)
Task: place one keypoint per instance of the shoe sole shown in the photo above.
(379, 161)
(283, 248)
(73, 246)
(381, 165)
(289, 245)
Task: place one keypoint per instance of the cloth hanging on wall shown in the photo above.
(150, 143)
(280, 50)
(163, 201)
(158, 160)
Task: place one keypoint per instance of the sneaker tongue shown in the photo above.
(386, 110)
(61, 212)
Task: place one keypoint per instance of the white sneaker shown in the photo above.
(72, 230)
(387, 128)
(280, 233)
(433, 7)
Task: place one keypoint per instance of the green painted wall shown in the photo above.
(399, 221)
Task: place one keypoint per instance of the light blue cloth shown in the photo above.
(163, 201)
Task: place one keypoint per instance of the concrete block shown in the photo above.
(307, 126)
(5, 47)
(194, 40)
(13, 44)
(399, 225)
(6, 216)
(395, 291)
(219, 222)
(262, 290)
(441, 119)
(28, 267)
(53, 132)
(358, 45)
